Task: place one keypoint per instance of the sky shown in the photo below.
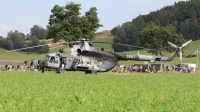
(22, 15)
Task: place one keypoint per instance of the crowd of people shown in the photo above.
(154, 69)
(23, 67)
(143, 68)
(179, 68)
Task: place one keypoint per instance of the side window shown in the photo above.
(52, 59)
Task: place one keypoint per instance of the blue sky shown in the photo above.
(21, 15)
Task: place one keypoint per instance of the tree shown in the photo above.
(34, 42)
(120, 38)
(182, 13)
(38, 31)
(155, 37)
(3, 42)
(43, 49)
(10, 45)
(66, 23)
(114, 30)
(18, 39)
(28, 37)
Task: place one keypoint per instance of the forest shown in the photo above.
(17, 40)
(183, 15)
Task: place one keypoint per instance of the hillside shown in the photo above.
(183, 15)
(103, 34)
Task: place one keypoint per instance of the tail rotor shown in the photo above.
(175, 46)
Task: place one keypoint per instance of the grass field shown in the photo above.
(107, 47)
(105, 92)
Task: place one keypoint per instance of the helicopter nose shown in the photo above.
(42, 63)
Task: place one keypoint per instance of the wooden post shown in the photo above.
(161, 66)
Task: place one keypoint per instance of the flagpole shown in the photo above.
(197, 67)
(197, 59)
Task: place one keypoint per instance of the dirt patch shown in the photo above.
(12, 62)
(103, 34)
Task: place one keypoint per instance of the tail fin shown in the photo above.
(173, 54)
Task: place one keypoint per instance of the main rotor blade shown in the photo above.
(127, 45)
(27, 48)
(173, 45)
(87, 47)
(183, 45)
(42, 45)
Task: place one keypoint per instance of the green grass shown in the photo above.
(18, 55)
(192, 47)
(23, 56)
(105, 92)
(107, 47)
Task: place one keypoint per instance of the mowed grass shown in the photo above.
(4, 55)
(107, 47)
(18, 55)
(105, 92)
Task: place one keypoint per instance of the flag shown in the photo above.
(195, 52)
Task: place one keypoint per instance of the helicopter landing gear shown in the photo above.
(57, 70)
(94, 72)
(60, 70)
(87, 72)
(91, 72)
(42, 69)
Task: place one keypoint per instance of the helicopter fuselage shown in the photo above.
(85, 60)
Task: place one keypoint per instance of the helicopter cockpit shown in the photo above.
(52, 60)
(46, 58)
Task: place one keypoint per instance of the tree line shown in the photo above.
(18, 40)
(183, 16)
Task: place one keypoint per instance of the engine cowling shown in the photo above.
(79, 51)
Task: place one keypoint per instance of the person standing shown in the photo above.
(22, 67)
(154, 69)
(62, 68)
(18, 67)
(124, 69)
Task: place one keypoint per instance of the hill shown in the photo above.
(183, 15)
(103, 34)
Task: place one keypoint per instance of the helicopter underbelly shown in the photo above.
(100, 64)
(109, 64)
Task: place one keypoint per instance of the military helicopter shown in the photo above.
(86, 57)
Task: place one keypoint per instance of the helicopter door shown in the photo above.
(54, 62)
(69, 62)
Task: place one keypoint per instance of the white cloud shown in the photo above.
(4, 29)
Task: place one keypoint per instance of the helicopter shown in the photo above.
(86, 57)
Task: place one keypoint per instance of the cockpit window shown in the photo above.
(53, 60)
(46, 58)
